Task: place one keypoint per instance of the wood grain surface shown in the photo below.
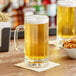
(8, 59)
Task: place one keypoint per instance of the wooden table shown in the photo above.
(8, 59)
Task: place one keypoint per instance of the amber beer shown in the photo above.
(36, 38)
(66, 19)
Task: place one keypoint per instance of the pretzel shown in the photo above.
(70, 44)
(4, 17)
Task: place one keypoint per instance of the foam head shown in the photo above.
(67, 3)
(36, 19)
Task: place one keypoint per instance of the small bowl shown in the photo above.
(70, 52)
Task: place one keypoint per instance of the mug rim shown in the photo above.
(66, 3)
(37, 19)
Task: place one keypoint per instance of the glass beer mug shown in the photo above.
(36, 34)
(66, 19)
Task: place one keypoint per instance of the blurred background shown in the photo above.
(17, 9)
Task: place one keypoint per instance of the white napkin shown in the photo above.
(49, 66)
(55, 43)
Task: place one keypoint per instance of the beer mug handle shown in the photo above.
(16, 37)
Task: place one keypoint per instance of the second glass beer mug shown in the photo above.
(66, 19)
(36, 34)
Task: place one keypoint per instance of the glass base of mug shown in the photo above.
(36, 63)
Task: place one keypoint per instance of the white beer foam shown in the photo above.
(67, 3)
(36, 19)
